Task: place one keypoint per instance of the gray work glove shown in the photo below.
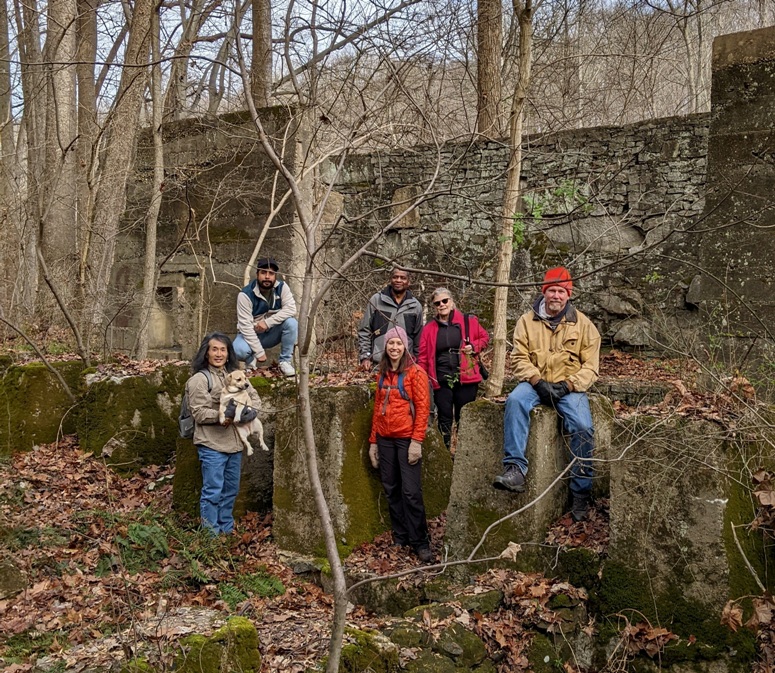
(544, 391)
(247, 415)
(374, 455)
(230, 410)
(415, 452)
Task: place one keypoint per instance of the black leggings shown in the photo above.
(403, 487)
(449, 402)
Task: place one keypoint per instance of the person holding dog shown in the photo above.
(449, 352)
(266, 316)
(556, 357)
(218, 444)
(401, 410)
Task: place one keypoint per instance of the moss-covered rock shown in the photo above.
(485, 602)
(406, 634)
(430, 662)
(385, 597)
(341, 423)
(542, 655)
(368, 652)
(133, 421)
(233, 647)
(465, 648)
(34, 408)
(435, 611)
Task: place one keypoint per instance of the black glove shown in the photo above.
(230, 410)
(247, 415)
(544, 391)
(558, 391)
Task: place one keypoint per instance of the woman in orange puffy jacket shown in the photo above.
(401, 409)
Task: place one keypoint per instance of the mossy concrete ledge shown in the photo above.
(341, 422)
(133, 421)
(33, 406)
(680, 504)
(233, 647)
(474, 504)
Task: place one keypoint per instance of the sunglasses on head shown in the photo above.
(441, 302)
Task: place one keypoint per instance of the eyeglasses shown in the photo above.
(441, 302)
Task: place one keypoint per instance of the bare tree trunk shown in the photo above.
(88, 131)
(111, 194)
(33, 118)
(488, 68)
(175, 100)
(152, 217)
(8, 167)
(58, 222)
(512, 194)
(261, 65)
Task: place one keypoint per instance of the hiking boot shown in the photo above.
(511, 480)
(580, 508)
(425, 554)
(286, 368)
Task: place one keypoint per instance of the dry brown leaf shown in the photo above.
(732, 616)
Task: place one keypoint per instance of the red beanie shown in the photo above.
(559, 275)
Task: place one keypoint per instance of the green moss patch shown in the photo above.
(233, 647)
(133, 421)
(34, 408)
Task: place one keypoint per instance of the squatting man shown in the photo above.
(266, 316)
(556, 358)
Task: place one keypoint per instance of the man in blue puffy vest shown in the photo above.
(266, 316)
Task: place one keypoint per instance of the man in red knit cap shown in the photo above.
(555, 358)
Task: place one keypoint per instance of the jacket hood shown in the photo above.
(570, 310)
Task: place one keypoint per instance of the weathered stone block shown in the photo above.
(679, 498)
(133, 421)
(34, 408)
(342, 421)
(475, 504)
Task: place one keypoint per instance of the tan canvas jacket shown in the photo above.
(571, 352)
(204, 410)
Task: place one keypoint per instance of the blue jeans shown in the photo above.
(576, 420)
(285, 333)
(220, 485)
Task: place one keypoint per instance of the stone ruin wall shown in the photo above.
(604, 195)
(217, 194)
(668, 232)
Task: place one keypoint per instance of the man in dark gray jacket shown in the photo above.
(395, 305)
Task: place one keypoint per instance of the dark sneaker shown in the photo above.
(425, 554)
(511, 480)
(580, 508)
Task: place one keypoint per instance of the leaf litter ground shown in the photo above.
(111, 573)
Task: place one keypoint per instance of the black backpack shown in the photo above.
(185, 419)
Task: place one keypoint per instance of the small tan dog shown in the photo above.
(236, 389)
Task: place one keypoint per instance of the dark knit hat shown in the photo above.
(559, 275)
(397, 332)
(267, 263)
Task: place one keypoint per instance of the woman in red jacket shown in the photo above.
(449, 345)
(401, 408)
